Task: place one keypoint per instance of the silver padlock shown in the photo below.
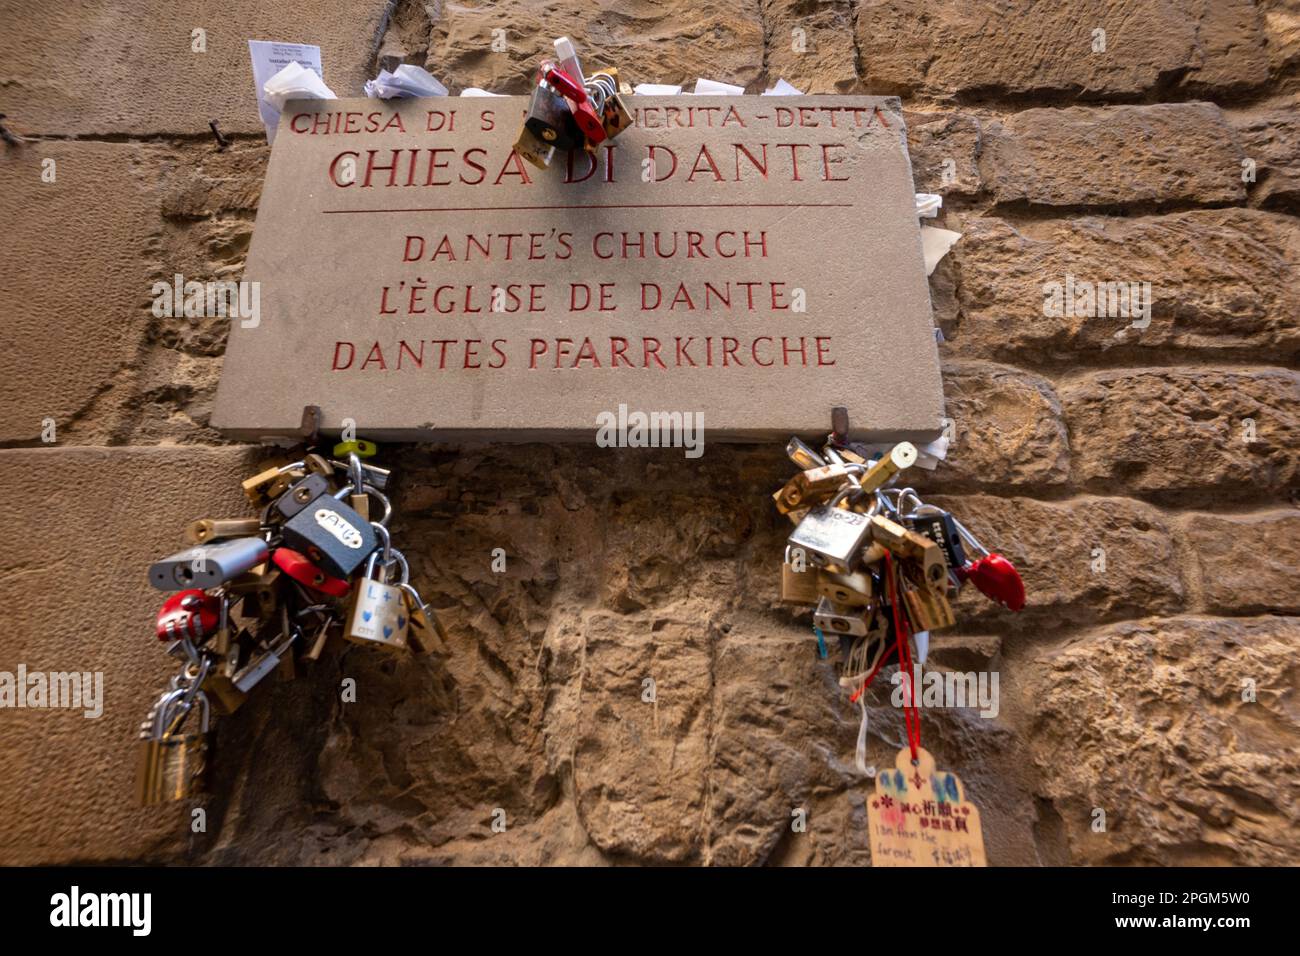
(832, 535)
(172, 764)
(378, 614)
(842, 619)
(208, 565)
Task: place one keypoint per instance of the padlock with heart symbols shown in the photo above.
(259, 597)
(378, 614)
(569, 111)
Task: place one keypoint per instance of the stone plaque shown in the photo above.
(755, 260)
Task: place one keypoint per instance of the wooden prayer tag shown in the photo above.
(919, 816)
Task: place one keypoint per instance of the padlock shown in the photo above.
(578, 103)
(298, 496)
(213, 529)
(812, 487)
(927, 608)
(268, 485)
(332, 535)
(993, 575)
(357, 497)
(226, 697)
(529, 147)
(855, 589)
(803, 456)
(831, 535)
(798, 586)
(941, 528)
(908, 544)
(614, 116)
(425, 631)
(208, 565)
(377, 612)
(190, 615)
(357, 446)
(550, 121)
(259, 588)
(316, 464)
(261, 664)
(316, 646)
(374, 475)
(839, 619)
(307, 574)
(172, 764)
(898, 458)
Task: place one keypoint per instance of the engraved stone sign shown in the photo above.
(756, 260)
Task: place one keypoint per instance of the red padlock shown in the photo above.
(191, 614)
(307, 574)
(584, 114)
(997, 579)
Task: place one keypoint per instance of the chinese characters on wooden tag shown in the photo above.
(919, 816)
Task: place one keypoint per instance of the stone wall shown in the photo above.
(1121, 688)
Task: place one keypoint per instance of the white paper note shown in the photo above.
(269, 58)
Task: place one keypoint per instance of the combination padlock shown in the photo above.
(331, 535)
(378, 614)
(172, 764)
(189, 615)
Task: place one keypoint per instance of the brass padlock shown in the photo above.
(172, 764)
(850, 589)
(425, 631)
(928, 608)
(898, 458)
(604, 87)
(260, 590)
(798, 581)
(908, 544)
(812, 487)
(266, 486)
(214, 529)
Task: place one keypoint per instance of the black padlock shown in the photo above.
(941, 528)
(331, 535)
(299, 495)
(551, 121)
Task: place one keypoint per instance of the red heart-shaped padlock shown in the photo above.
(191, 614)
(997, 579)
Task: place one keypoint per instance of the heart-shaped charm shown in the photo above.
(997, 579)
(367, 615)
(388, 631)
(401, 621)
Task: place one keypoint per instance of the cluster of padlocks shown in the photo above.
(879, 566)
(259, 594)
(570, 111)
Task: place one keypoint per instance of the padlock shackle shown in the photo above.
(564, 84)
